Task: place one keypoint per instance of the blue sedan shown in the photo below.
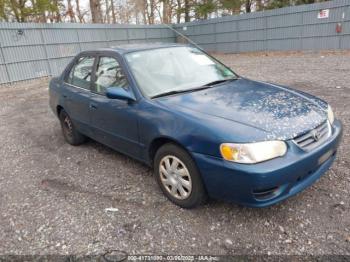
(206, 131)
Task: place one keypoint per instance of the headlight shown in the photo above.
(330, 114)
(253, 152)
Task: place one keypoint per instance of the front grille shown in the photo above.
(314, 137)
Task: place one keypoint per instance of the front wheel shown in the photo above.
(70, 133)
(178, 177)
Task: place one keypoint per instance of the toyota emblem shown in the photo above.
(316, 135)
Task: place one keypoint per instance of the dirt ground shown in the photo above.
(53, 196)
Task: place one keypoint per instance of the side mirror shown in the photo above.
(119, 93)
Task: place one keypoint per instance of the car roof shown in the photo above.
(126, 48)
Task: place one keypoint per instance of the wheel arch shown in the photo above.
(59, 108)
(158, 142)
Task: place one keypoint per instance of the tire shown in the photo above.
(70, 133)
(185, 175)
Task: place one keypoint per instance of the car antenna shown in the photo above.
(182, 35)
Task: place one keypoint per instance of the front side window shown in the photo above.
(109, 74)
(80, 74)
(175, 69)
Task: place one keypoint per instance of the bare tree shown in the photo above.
(138, 9)
(114, 19)
(108, 18)
(151, 7)
(132, 11)
(79, 12)
(178, 11)
(166, 7)
(167, 11)
(248, 6)
(187, 11)
(95, 8)
(56, 14)
(70, 12)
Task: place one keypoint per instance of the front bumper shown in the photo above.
(267, 183)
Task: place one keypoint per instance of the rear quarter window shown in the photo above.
(80, 73)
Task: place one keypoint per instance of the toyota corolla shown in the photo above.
(206, 131)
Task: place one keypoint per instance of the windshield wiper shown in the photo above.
(216, 82)
(169, 93)
(208, 85)
(180, 91)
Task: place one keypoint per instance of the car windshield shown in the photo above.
(175, 69)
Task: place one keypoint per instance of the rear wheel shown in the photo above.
(178, 177)
(70, 134)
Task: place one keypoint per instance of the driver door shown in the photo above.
(114, 121)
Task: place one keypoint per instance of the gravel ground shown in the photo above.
(53, 197)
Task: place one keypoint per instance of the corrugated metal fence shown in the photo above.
(35, 50)
(30, 51)
(290, 28)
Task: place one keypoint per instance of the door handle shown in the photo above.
(93, 106)
(64, 96)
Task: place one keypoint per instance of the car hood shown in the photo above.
(281, 112)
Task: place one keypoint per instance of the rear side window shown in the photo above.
(80, 74)
(109, 74)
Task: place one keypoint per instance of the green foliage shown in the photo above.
(303, 2)
(277, 4)
(204, 8)
(41, 6)
(3, 15)
(232, 6)
(272, 4)
(27, 10)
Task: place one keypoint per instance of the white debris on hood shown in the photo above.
(111, 209)
(284, 113)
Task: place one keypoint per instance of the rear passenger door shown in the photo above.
(76, 92)
(114, 121)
